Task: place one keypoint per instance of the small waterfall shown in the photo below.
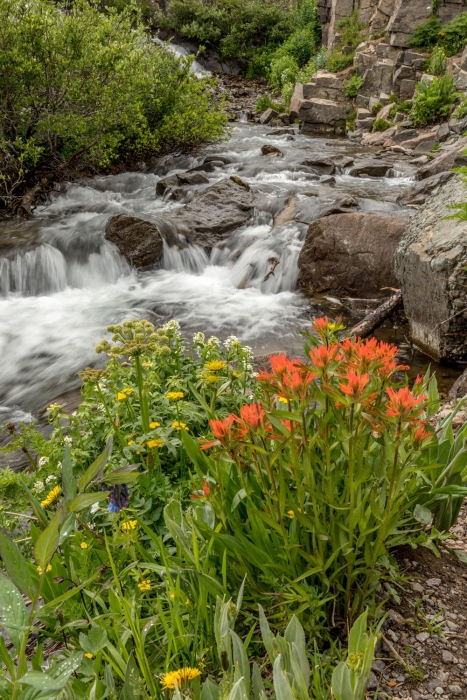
(191, 258)
(35, 272)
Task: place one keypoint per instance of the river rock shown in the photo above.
(379, 138)
(166, 184)
(269, 150)
(419, 140)
(137, 240)
(350, 255)
(215, 213)
(208, 166)
(430, 264)
(373, 168)
(323, 166)
(268, 115)
(320, 116)
(452, 158)
(459, 388)
(215, 157)
(417, 193)
(311, 208)
(192, 178)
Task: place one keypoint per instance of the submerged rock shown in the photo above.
(350, 255)
(269, 150)
(430, 264)
(215, 213)
(137, 240)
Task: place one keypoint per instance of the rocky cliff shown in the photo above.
(398, 18)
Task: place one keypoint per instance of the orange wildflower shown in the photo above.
(354, 384)
(403, 404)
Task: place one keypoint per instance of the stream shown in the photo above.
(62, 283)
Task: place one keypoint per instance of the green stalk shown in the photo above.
(22, 664)
(143, 399)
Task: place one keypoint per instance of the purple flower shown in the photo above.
(118, 497)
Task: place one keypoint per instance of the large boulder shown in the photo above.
(137, 240)
(313, 208)
(417, 193)
(324, 86)
(215, 213)
(295, 101)
(370, 167)
(452, 158)
(430, 264)
(320, 116)
(350, 255)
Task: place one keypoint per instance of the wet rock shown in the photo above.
(192, 178)
(287, 214)
(208, 166)
(216, 157)
(137, 240)
(215, 213)
(379, 138)
(401, 137)
(429, 264)
(417, 193)
(350, 254)
(239, 181)
(323, 166)
(311, 209)
(166, 184)
(269, 150)
(178, 194)
(452, 158)
(281, 132)
(268, 115)
(459, 388)
(373, 168)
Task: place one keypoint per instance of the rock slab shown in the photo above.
(137, 240)
(350, 255)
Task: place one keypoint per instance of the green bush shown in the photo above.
(376, 108)
(461, 111)
(433, 100)
(352, 86)
(337, 61)
(318, 62)
(427, 35)
(451, 37)
(438, 62)
(265, 102)
(381, 125)
(283, 70)
(115, 92)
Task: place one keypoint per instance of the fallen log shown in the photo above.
(376, 317)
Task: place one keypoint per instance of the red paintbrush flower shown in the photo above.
(251, 417)
(322, 356)
(420, 436)
(206, 489)
(403, 404)
(297, 383)
(354, 384)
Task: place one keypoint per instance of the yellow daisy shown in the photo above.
(175, 395)
(179, 425)
(155, 443)
(216, 365)
(154, 424)
(51, 497)
(181, 677)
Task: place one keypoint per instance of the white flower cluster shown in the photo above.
(50, 479)
(68, 439)
(198, 338)
(172, 326)
(232, 342)
(213, 342)
(43, 461)
(38, 486)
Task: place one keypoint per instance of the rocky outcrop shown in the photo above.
(323, 108)
(430, 265)
(418, 193)
(452, 158)
(137, 240)
(313, 208)
(215, 213)
(370, 168)
(350, 255)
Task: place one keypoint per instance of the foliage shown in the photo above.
(83, 87)
(265, 102)
(451, 36)
(315, 485)
(318, 62)
(376, 108)
(438, 62)
(337, 60)
(433, 100)
(461, 111)
(283, 70)
(352, 86)
(351, 36)
(381, 125)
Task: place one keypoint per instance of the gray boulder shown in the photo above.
(417, 194)
(269, 150)
(313, 208)
(192, 178)
(370, 167)
(406, 16)
(319, 116)
(452, 158)
(323, 166)
(430, 264)
(268, 115)
(350, 255)
(215, 213)
(137, 240)
(208, 166)
(166, 184)
(459, 388)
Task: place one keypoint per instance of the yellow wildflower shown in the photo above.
(51, 497)
(155, 443)
(291, 514)
(175, 395)
(131, 442)
(89, 656)
(148, 365)
(180, 677)
(282, 399)
(53, 407)
(84, 545)
(154, 424)
(121, 396)
(48, 568)
(172, 595)
(212, 378)
(440, 33)
(129, 525)
(216, 365)
(128, 390)
(145, 585)
(178, 425)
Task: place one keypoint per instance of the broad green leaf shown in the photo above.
(124, 475)
(422, 515)
(341, 683)
(85, 500)
(93, 642)
(240, 657)
(48, 540)
(39, 512)
(16, 566)
(295, 633)
(268, 639)
(210, 691)
(281, 684)
(13, 611)
(56, 677)
(96, 469)
(257, 683)
(358, 638)
(67, 528)
(132, 685)
(238, 691)
(68, 480)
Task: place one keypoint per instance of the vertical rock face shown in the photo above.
(430, 264)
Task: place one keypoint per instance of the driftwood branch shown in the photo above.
(376, 317)
(274, 262)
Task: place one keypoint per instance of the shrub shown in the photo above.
(337, 61)
(315, 64)
(350, 37)
(437, 63)
(115, 92)
(376, 108)
(381, 125)
(265, 102)
(283, 70)
(451, 37)
(433, 100)
(352, 86)
(461, 111)
(330, 448)
(427, 35)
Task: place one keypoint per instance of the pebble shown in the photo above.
(433, 582)
(455, 689)
(422, 637)
(447, 657)
(417, 588)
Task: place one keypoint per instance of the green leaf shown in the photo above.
(39, 512)
(341, 682)
(16, 566)
(257, 682)
(93, 642)
(131, 687)
(122, 475)
(241, 658)
(57, 677)
(268, 639)
(96, 469)
(67, 528)
(422, 515)
(68, 481)
(294, 633)
(85, 500)
(281, 684)
(48, 540)
(210, 691)
(13, 611)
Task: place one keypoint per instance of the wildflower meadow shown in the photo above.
(197, 529)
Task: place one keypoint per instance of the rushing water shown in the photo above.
(61, 283)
